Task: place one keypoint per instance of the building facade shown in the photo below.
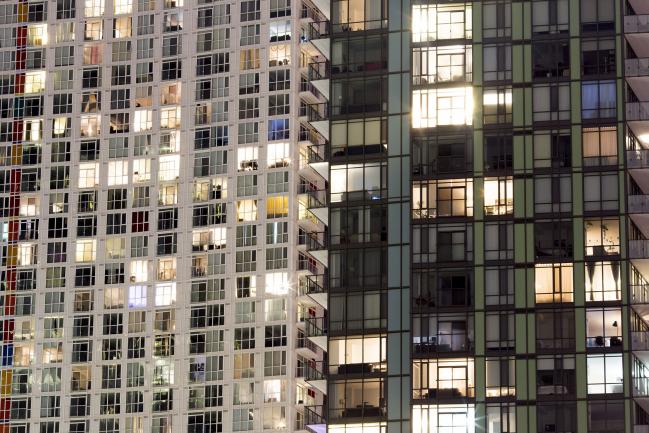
(160, 234)
(372, 216)
(497, 279)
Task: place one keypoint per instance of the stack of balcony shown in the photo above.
(636, 29)
(313, 218)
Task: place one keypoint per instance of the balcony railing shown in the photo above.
(316, 198)
(312, 284)
(639, 249)
(638, 203)
(637, 111)
(315, 371)
(636, 23)
(316, 326)
(636, 67)
(640, 294)
(314, 415)
(315, 112)
(318, 70)
(317, 30)
(306, 86)
(637, 158)
(304, 343)
(640, 340)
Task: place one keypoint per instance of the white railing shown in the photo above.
(636, 23)
(636, 67)
(637, 111)
(638, 203)
(639, 249)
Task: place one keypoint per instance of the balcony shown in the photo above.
(636, 67)
(640, 340)
(315, 41)
(636, 159)
(309, 92)
(636, 24)
(316, 331)
(639, 249)
(637, 111)
(314, 418)
(315, 376)
(638, 204)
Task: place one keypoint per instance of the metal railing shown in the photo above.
(637, 158)
(638, 203)
(318, 70)
(636, 23)
(316, 326)
(639, 248)
(315, 112)
(637, 111)
(636, 67)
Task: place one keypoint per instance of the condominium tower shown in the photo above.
(360, 216)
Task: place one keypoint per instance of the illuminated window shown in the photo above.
(366, 354)
(143, 120)
(34, 82)
(86, 250)
(117, 173)
(501, 377)
(27, 254)
(442, 379)
(137, 297)
(279, 55)
(277, 155)
(94, 8)
(171, 94)
(88, 175)
(93, 54)
(274, 390)
(359, 181)
(32, 130)
(451, 418)
(29, 206)
(122, 27)
(165, 294)
(277, 283)
(167, 269)
(602, 236)
(247, 158)
(444, 64)
(170, 117)
(553, 283)
(93, 30)
(246, 210)
(90, 125)
(169, 167)
(122, 6)
(37, 35)
(432, 22)
(600, 145)
(605, 374)
(115, 248)
(604, 327)
(497, 105)
(277, 207)
(442, 198)
(444, 106)
(139, 271)
(141, 170)
(499, 196)
(113, 297)
(603, 281)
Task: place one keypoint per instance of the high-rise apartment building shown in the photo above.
(162, 219)
(360, 216)
(488, 216)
